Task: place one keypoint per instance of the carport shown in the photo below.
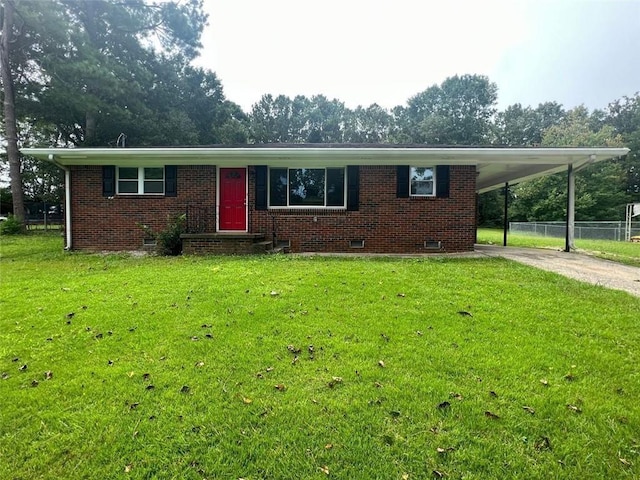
(502, 168)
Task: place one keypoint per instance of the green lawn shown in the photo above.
(189, 368)
(623, 252)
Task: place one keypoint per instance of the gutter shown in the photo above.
(67, 201)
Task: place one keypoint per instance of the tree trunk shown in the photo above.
(11, 129)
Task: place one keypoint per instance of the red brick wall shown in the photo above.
(101, 223)
(386, 224)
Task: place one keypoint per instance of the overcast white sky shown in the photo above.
(385, 51)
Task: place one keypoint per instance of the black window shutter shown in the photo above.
(171, 181)
(261, 187)
(402, 186)
(442, 181)
(353, 188)
(108, 181)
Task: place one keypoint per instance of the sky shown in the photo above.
(385, 51)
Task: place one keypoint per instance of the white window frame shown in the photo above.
(140, 181)
(433, 191)
(307, 207)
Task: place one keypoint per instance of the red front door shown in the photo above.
(233, 199)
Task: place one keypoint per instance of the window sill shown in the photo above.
(130, 195)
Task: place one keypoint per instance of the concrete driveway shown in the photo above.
(573, 265)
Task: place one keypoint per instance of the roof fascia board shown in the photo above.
(288, 156)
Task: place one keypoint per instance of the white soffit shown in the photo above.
(495, 166)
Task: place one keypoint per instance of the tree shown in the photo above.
(458, 112)
(522, 127)
(10, 34)
(624, 116)
(367, 125)
(301, 120)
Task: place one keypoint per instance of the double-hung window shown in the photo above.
(422, 182)
(307, 187)
(140, 180)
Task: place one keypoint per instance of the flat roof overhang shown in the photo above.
(495, 166)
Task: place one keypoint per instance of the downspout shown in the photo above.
(67, 201)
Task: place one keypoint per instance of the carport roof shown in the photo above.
(495, 166)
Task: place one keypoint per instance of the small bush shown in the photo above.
(11, 226)
(168, 240)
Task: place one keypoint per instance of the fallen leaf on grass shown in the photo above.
(492, 415)
(48, 375)
(325, 470)
(23, 367)
(334, 381)
(574, 408)
(441, 450)
(268, 369)
(543, 443)
(378, 385)
(128, 467)
(246, 400)
(280, 387)
(569, 377)
(5, 375)
(328, 446)
(274, 293)
(464, 313)
(134, 405)
(544, 382)
(625, 462)
(529, 410)
(457, 396)
(380, 363)
(199, 364)
(293, 349)
(34, 383)
(438, 474)
(401, 295)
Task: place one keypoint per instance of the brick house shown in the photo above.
(305, 198)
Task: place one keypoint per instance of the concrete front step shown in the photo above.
(225, 243)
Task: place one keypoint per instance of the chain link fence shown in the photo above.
(591, 230)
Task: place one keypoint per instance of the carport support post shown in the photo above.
(506, 215)
(571, 209)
